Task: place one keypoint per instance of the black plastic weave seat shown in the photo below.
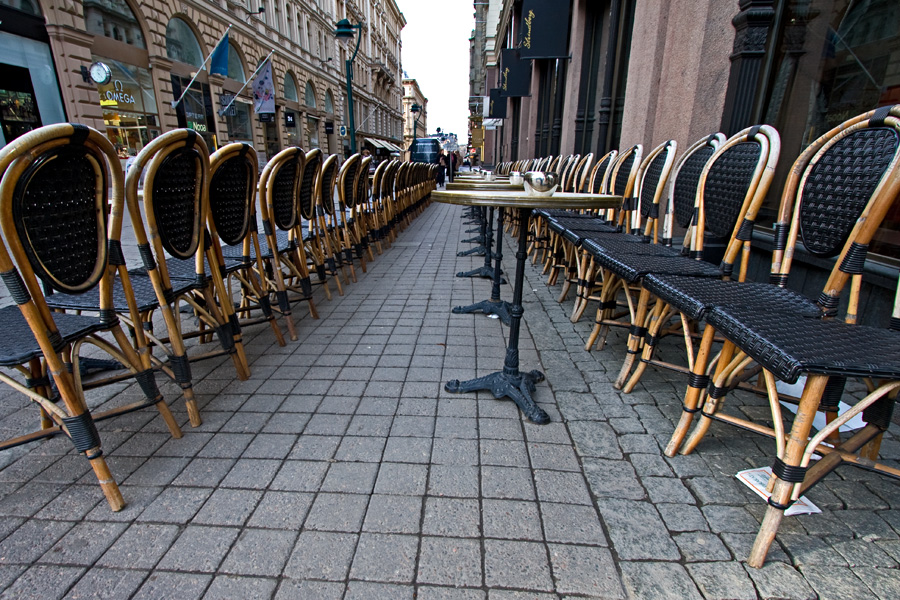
(695, 296)
(284, 245)
(18, 345)
(789, 345)
(144, 294)
(635, 266)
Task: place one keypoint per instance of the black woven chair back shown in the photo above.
(328, 180)
(625, 170)
(361, 197)
(177, 183)
(601, 171)
(727, 182)
(402, 171)
(285, 185)
(687, 179)
(311, 167)
(655, 176)
(377, 178)
(59, 209)
(840, 184)
(232, 185)
(388, 180)
(347, 181)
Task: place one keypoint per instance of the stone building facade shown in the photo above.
(412, 94)
(154, 48)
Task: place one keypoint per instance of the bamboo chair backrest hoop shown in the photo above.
(582, 171)
(651, 183)
(684, 181)
(566, 178)
(326, 184)
(347, 181)
(377, 178)
(306, 201)
(175, 192)
(733, 185)
(389, 180)
(836, 196)
(402, 171)
(361, 193)
(279, 187)
(234, 173)
(600, 173)
(624, 171)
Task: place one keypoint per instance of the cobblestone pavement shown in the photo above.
(341, 469)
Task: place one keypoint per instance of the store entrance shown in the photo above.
(18, 108)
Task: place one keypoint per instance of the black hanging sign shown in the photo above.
(515, 74)
(545, 29)
(497, 105)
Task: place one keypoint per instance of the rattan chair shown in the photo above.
(838, 195)
(61, 213)
(329, 222)
(350, 242)
(310, 250)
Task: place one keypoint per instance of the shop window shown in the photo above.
(310, 95)
(113, 19)
(290, 88)
(329, 102)
(129, 107)
(235, 65)
(312, 131)
(830, 61)
(195, 111)
(182, 44)
(238, 124)
(292, 128)
(18, 108)
(27, 6)
(29, 93)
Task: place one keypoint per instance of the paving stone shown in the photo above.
(444, 593)
(199, 548)
(612, 479)
(106, 584)
(506, 453)
(572, 524)
(320, 590)
(352, 478)
(137, 498)
(398, 478)
(164, 584)
(679, 517)
(229, 587)
(667, 489)
(393, 514)
(730, 519)
(300, 476)
(516, 564)
(511, 519)
(204, 472)
(315, 447)
(657, 581)
(514, 595)
(500, 429)
(778, 580)
(254, 474)
(42, 582)
(722, 581)
(450, 561)
(325, 424)
(883, 582)
(451, 480)
(362, 449)
(383, 557)
(806, 550)
(556, 486)
(321, 555)
(716, 490)
(365, 590)
(740, 545)
(140, 546)
(449, 451)
(228, 507)
(407, 450)
(29, 499)
(689, 466)
(226, 445)
(867, 525)
(699, 546)
(637, 531)
(507, 482)
(585, 570)
(26, 544)
(833, 583)
(337, 512)
(259, 552)
(454, 517)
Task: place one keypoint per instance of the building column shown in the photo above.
(72, 50)
(161, 69)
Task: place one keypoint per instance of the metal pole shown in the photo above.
(350, 90)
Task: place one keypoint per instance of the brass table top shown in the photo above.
(521, 199)
(481, 184)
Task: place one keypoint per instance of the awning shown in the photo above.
(377, 143)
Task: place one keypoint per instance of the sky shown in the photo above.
(435, 53)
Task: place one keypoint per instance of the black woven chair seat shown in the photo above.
(694, 296)
(18, 345)
(236, 252)
(553, 213)
(186, 269)
(144, 295)
(631, 267)
(625, 245)
(575, 229)
(789, 345)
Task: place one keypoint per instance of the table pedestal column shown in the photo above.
(510, 382)
(493, 306)
(486, 271)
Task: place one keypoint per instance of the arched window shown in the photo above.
(310, 96)
(329, 102)
(182, 44)
(235, 64)
(109, 18)
(290, 88)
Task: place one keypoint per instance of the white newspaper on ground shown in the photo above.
(756, 480)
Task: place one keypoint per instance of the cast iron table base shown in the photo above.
(487, 270)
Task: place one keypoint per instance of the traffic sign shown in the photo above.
(343, 131)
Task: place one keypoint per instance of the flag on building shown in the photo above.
(264, 90)
(218, 61)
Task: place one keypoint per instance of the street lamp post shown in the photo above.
(344, 34)
(416, 110)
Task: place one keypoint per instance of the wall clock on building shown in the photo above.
(100, 73)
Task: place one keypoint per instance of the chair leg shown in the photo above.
(796, 445)
(696, 388)
(634, 341)
(723, 368)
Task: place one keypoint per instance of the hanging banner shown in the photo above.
(264, 90)
(545, 29)
(515, 74)
(497, 105)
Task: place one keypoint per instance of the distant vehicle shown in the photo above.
(426, 150)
